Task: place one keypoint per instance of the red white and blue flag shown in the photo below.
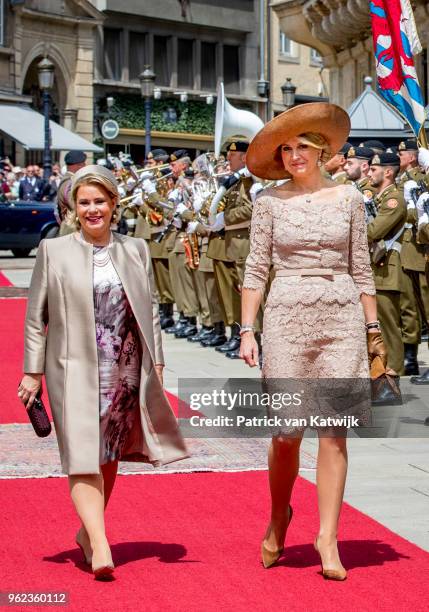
(396, 42)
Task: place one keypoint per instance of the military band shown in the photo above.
(196, 214)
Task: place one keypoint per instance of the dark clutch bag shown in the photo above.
(39, 418)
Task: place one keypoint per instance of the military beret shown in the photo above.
(408, 145)
(158, 155)
(237, 145)
(360, 153)
(385, 159)
(165, 171)
(179, 154)
(392, 149)
(345, 148)
(373, 144)
(74, 157)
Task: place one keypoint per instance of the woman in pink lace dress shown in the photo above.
(312, 231)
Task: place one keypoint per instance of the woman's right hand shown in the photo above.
(249, 350)
(28, 388)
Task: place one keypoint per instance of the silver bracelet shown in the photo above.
(373, 325)
(246, 328)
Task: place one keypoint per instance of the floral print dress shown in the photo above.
(119, 357)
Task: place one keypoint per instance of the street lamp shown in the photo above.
(288, 92)
(45, 70)
(147, 86)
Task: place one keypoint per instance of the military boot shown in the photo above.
(166, 315)
(233, 343)
(204, 332)
(190, 329)
(217, 337)
(423, 379)
(181, 322)
(411, 365)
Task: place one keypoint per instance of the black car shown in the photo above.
(24, 224)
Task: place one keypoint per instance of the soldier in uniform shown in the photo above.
(357, 169)
(415, 294)
(230, 248)
(188, 283)
(180, 275)
(157, 157)
(151, 225)
(74, 160)
(422, 239)
(214, 330)
(385, 233)
(225, 270)
(335, 166)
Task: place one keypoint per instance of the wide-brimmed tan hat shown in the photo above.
(263, 157)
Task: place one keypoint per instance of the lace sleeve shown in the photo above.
(258, 261)
(359, 260)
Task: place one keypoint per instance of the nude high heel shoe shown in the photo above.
(329, 574)
(87, 560)
(269, 557)
(105, 570)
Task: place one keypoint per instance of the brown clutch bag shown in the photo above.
(384, 388)
(39, 418)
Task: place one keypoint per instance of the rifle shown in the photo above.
(370, 209)
(416, 192)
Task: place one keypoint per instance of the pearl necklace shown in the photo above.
(101, 255)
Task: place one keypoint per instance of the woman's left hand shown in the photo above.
(158, 369)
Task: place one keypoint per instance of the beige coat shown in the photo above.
(61, 296)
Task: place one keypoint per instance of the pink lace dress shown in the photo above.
(314, 326)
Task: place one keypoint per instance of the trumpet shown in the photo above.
(153, 169)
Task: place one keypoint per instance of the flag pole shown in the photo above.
(422, 139)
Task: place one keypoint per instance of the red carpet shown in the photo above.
(4, 281)
(190, 542)
(12, 313)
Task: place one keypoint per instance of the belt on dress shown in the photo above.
(309, 272)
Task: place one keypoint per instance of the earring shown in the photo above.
(319, 162)
(77, 220)
(114, 216)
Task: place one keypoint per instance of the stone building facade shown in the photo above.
(63, 31)
(190, 46)
(299, 62)
(340, 30)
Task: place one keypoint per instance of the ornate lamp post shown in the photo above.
(147, 85)
(45, 70)
(288, 91)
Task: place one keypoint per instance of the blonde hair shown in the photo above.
(101, 177)
(317, 141)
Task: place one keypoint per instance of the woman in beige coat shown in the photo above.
(92, 328)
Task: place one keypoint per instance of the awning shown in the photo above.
(26, 126)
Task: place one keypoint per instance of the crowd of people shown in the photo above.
(27, 183)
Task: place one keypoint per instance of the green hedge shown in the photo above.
(194, 116)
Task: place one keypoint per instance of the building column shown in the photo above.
(83, 83)
(69, 118)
